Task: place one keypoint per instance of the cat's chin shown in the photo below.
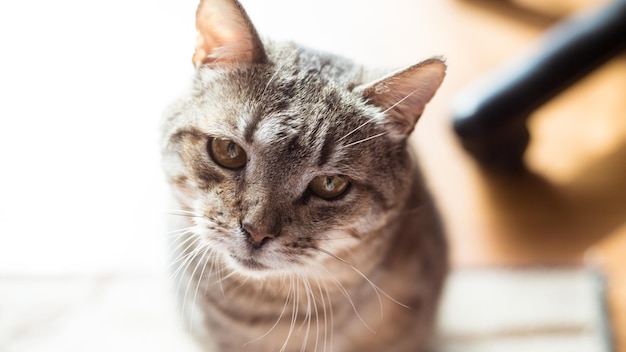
(255, 268)
(247, 263)
(249, 266)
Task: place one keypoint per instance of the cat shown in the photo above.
(305, 222)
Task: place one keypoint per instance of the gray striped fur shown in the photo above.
(359, 273)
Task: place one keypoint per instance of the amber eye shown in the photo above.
(226, 153)
(329, 187)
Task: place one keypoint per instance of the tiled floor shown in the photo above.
(82, 192)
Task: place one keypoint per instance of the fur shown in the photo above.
(362, 272)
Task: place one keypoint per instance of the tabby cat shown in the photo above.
(305, 223)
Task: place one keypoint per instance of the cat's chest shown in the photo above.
(314, 321)
(296, 311)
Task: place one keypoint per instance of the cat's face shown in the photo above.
(278, 166)
(280, 154)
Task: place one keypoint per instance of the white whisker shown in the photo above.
(362, 140)
(370, 120)
(184, 253)
(374, 286)
(179, 232)
(294, 312)
(274, 75)
(346, 294)
(181, 264)
(332, 317)
(200, 279)
(218, 273)
(308, 315)
(323, 302)
(192, 277)
(400, 101)
(311, 294)
(280, 316)
(186, 213)
(358, 128)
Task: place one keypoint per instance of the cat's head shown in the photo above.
(281, 152)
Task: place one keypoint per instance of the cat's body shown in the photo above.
(308, 226)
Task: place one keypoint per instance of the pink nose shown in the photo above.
(255, 236)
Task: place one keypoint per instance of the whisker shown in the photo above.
(376, 117)
(185, 261)
(311, 294)
(274, 75)
(218, 273)
(362, 140)
(347, 295)
(294, 311)
(182, 269)
(181, 231)
(336, 238)
(332, 316)
(181, 263)
(231, 274)
(323, 302)
(212, 272)
(195, 295)
(358, 128)
(376, 288)
(183, 253)
(400, 101)
(189, 282)
(185, 213)
(282, 312)
(308, 314)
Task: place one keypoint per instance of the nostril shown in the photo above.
(255, 236)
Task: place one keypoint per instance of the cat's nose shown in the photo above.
(256, 236)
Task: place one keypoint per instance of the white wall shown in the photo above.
(82, 88)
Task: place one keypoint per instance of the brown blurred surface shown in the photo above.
(570, 208)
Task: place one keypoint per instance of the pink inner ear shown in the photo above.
(412, 87)
(225, 34)
(404, 94)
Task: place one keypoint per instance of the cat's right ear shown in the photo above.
(226, 35)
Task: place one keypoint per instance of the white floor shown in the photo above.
(483, 311)
(525, 310)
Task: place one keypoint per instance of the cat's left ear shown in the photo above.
(403, 95)
(226, 35)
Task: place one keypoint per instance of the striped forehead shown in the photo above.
(303, 135)
(268, 128)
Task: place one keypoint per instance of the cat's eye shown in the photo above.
(226, 153)
(329, 187)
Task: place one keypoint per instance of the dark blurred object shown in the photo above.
(490, 115)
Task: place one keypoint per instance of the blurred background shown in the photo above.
(84, 206)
